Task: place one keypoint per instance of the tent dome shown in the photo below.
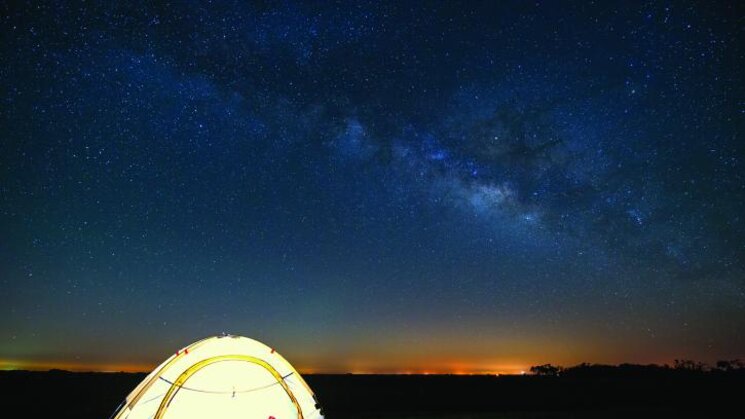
(222, 377)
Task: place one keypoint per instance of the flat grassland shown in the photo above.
(664, 393)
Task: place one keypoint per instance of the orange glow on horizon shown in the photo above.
(444, 368)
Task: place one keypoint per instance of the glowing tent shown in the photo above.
(222, 377)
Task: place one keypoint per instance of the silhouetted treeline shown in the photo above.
(680, 366)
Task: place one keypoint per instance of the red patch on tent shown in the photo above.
(271, 417)
(186, 351)
(272, 352)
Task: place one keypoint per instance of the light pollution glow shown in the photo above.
(456, 368)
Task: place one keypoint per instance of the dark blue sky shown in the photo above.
(373, 186)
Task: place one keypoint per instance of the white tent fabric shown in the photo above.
(222, 377)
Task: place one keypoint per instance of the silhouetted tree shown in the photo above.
(546, 369)
(688, 365)
(733, 365)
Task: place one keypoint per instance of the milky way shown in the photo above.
(362, 185)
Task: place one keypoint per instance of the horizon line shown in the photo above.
(81, 367)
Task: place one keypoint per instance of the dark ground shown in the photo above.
(598, 394)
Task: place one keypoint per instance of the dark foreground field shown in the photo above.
(614, 394)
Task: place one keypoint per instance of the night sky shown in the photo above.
(373, 187)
